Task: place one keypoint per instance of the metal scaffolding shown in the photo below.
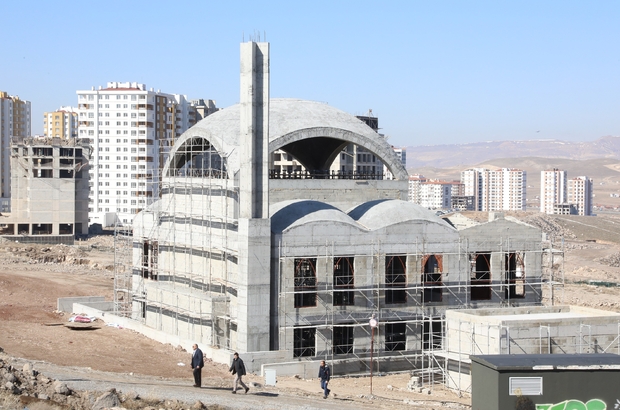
(172, 233)
(183, 246)
(429, 362)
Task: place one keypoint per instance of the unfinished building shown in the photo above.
(289, 270)
(526, 330)
(49, 190)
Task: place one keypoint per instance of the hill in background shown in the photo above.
(445, 156)
(599, 160)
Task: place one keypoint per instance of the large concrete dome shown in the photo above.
(313, 132)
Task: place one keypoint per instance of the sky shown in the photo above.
(433, 72)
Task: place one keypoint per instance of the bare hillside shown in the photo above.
(445, 156)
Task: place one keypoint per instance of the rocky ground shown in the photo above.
(46, 365)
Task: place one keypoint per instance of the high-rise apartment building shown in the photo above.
(62, 123)
(203, 108)
(495, 190)
(436, 194)
(431, 193)
(552, 189)
(580, 194)
(15, 121)
(131, 130)
(357, 160)
(415, 181)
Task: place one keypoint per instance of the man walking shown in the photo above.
(197, 365)
(238, 369)
(324, 376)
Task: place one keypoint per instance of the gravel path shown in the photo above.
(85, 379)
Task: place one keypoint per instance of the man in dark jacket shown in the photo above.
(238, 369)
(197, 365)
(324, 375)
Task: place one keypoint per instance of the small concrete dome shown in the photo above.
(385, 212)
(288, 214)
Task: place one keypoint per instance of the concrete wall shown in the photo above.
(343, 194)
(530, 330)
(61, 198)
(253, 361)
(66, 304)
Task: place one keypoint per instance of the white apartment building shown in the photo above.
(415, 181)
(436, 194)
(513, 189)
(495, 190)
(131, 130)
(580, 194)
(62, 123)
(552, 190)
(433, 194)
(15, 121)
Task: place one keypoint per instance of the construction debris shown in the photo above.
(611, 260)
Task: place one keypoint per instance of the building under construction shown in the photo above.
(49, 191)
(289, 268)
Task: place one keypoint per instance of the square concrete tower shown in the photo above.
(254, 232)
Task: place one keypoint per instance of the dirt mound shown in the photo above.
(549, 226)
(611, 260)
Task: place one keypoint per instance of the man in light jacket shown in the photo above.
(238, 369)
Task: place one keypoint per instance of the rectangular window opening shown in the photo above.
(305, 282)
(432, 278)
(480, 276)
(343, 340)
(395, 279)
(43, 173)
(150, 252)
(304, 342)
(343, 279)
(395, 336)
(432, 334)
(41, 229)
(65, 229)
(514, 264)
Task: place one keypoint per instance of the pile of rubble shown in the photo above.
(612, 260)
(101, 242)
(26, 386)
(48, 253)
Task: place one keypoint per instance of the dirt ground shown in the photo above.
(33, 277)
(32, 328)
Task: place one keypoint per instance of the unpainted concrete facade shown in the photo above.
(290, 270)
(49, 188)
(525, 330)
